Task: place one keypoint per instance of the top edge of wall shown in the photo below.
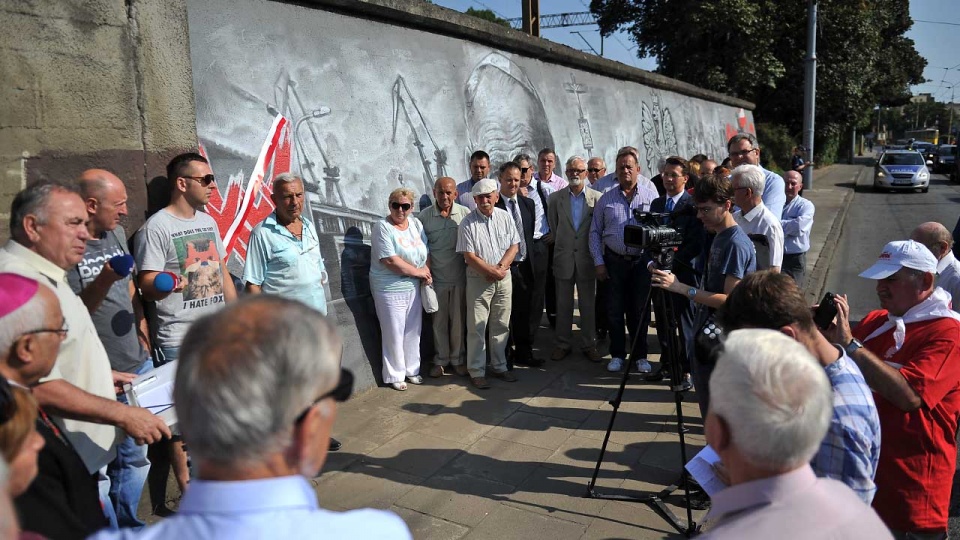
(448, 22)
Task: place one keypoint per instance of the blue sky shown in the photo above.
(938, 42)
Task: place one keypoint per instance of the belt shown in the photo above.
(627, 258)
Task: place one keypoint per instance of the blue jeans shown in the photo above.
(122, 483)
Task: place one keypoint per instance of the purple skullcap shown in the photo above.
(15, 291)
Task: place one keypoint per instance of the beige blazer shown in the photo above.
(571, 250)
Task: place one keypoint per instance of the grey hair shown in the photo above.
(524, 157)
(285, 178)
(575, 158)
(33, 201)
(30, 316)
(750, 176)
(247, 372)
(743, 137)
(773, 395)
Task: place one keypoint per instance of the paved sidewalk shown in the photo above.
(514, 461)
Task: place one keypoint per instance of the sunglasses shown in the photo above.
(340, 393)
(595, 170)
(399, 206)
(203, 180)
(523, 170)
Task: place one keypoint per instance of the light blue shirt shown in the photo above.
(387, 241)
(539, 214)
(797, 222)
(284, 507)
(576, 205)
(774, 197)
(281, 264)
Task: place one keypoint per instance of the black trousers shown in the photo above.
(540, 258)
(521, 275)
(629, 284)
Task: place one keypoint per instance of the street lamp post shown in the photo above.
(810, 89)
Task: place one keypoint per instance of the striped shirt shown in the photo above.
(487, 237)
(610, 215)
(851, 448)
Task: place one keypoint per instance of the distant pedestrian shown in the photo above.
(797, 163)
(797, 223)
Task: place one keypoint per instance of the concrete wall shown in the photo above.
(86, 83)
(369, 84)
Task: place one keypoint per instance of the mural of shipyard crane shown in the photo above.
(400, 89)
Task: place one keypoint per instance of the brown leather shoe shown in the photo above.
(436, 372)
(461, 370)
(593, 355)
(504, 376)
(559, 353)
(479, 383)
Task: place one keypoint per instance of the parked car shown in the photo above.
(901, 169)
(946, 155)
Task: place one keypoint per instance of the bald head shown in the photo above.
(792, 184)
(105, 198)
(445, 193)
(935, 236)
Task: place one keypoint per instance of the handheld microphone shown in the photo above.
(122, 264)
(165, 282)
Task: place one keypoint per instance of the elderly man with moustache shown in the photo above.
(48, 226)
(479, 169)
(440, 223)
(118, 316)
(489, 241)
(745, 150)
(266, 371)
(571, 213)
(523, 269)
(797, 222)
(769, 410)
(623, 265)
(760, 224)
(939, 241)
(909, 353)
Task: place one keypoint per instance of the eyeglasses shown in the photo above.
(340, 393)
(401, 206)
(576, 171)
(596, 170)
(741, 153)
(204, 181)
(62, 331)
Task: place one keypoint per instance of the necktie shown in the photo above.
(669, 209)
(519, 222)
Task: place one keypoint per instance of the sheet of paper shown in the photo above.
(701, 469)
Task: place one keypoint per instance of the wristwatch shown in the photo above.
(853, 346)
(692, 292)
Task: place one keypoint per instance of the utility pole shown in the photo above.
(950, 124)
(810, 90)
(531, 17)
(876, 136)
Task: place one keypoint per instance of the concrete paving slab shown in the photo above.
(582, 452)
(415, 453)
(460, 498)
(365, 485)
(374, 424)
(508, 522)
(558, 492)
(628, 428)
(575, 408)
(534, 430)
(630, 520)
(427, 526)
(499, 461)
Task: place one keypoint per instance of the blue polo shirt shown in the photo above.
(283, 265)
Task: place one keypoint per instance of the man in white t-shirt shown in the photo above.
(755, 218)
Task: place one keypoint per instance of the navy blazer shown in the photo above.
(684, 217)
(527, 216)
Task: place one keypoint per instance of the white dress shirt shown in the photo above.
(948, 278)
(761, 221)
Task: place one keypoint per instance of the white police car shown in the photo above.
(901, 169)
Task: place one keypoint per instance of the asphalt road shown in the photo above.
(873, 220)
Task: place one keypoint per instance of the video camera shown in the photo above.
(659, 240)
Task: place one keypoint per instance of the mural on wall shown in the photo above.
(371, 107)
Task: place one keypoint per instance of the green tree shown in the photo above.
(487, 15)
(755, 50)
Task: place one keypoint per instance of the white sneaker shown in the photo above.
(616, 364)
(643, 366)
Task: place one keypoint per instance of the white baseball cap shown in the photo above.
(483, 187)
(901, 254)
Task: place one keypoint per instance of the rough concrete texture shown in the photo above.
(73, 73)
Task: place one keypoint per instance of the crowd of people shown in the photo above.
(795, 408)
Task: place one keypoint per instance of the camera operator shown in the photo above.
(730, 258)
(683, 216)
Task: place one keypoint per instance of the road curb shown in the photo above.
(818, 277)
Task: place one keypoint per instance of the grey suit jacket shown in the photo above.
(571, 249)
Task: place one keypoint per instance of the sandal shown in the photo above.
(401, 386)
(416, 379)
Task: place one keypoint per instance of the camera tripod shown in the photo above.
(665, 314)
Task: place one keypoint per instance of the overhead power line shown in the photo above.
(937, 22)
(560, 20)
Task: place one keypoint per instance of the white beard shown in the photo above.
(575, 181)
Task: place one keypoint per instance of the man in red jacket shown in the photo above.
(909, 353)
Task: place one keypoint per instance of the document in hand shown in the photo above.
(154, 391)
(701, 469)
